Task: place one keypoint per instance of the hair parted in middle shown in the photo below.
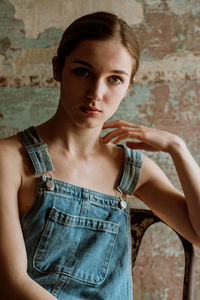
(99, 26)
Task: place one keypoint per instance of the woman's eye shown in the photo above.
(115, 79)
(81, 72)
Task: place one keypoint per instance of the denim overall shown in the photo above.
(78, 240)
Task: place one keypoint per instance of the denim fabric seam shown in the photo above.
(33, 134)
(85, 280)
(84, 207)
(138, 165)
(65, 272)
(123, 211)
(89, 192)
(39, 145)
(29, 139)
(85, 218)
(38, 166)
(59, 194)
(24, 136)
(115, 207)
(86, 227)
(37, 151)
(69, 185)
(129, 185)
(59, 284)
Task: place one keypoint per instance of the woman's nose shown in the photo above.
(95, 90)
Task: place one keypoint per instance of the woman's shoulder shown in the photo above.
(11, 142)
(129, 154)
(115, 150)
(11, 150)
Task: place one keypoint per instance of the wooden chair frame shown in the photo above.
(141, 219)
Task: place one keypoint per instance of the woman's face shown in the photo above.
(95, 78)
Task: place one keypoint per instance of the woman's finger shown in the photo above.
(121, 138)
(117, 124)
(111, 135)
(121, 134)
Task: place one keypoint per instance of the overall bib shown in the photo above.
(78, 241)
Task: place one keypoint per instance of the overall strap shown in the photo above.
(37, 150)
(131, 172)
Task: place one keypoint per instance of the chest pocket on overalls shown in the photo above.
(77, 246)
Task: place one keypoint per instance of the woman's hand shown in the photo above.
(150, 139)
(180, 211)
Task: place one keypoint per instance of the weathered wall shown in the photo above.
(166, 95)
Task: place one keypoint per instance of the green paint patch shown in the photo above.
(49, 37)
(11, 30)
(26, 106)
(12, 33)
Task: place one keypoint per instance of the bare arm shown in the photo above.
(180, 210)
(14, 281)
(157, 192)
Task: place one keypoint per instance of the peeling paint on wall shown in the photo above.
(37, 14)
(166, 95)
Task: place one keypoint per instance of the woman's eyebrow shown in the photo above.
(82, 62)
(120, 72)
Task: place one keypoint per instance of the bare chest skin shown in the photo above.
(100, 174)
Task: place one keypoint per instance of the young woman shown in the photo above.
(64, 215)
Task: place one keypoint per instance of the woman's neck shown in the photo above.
(77, 141)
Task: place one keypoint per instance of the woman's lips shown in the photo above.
(92, 111)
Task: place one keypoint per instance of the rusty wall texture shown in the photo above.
(166, 95)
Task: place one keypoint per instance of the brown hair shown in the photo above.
(98, 26)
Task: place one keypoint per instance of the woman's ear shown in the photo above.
(132, 82)
(56, 69)
(130, 85)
